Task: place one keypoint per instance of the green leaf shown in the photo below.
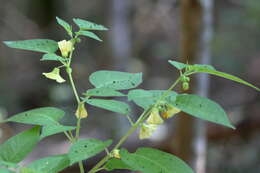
(202, 108)
(178, 65)
(18, 147)
(51, 164)
(114, 163)
(112, 105)
(227, 76)
(86, 148)
(147, 98)
(65, 25)
(51, 57)
(148, 160)
(103, 92)
(54, 129)
(4, 170)
(38, 45)
(28, 170)
(40, 116)
(87, 25)
(195, 67)
(89, 34)
(115, 80)
(8, 164)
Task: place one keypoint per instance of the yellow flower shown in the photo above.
(154, 117)
(65, 47)
(147, 130)
(81, 111)
(54, 75)
(115, 153)
(171, 110)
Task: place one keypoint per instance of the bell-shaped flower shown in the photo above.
(54, 75)
(154, 117)
(81, 111)
(65, 47)
(147, 130)
(170, 112)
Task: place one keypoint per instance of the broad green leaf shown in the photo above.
(38, 45)
(114, 163)
(51, 164)
(103, 92)
(28, 170)
(86, 148)
(115, 80)
(178, 65)
(202, 108)
(4, 170)
(195, 67)
(40, 116)
(148, 160)
(65, 25)
(147, 98)
(19, 146)
(54, 129)
(51, 57)
(112, 105)
(8, 164)
(87, 25)
(227, 76)
(89, 34)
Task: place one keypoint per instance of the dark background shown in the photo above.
(143, 35)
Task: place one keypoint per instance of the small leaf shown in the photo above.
(87, 25)
(202, 108)
(65, 25)
(38, 45)
(178, 65)
(4, 170)
(51, 164)
(86, 148)
(103, 92)
(114, 163)
(115, 80)
(40, 116)
(51, 57)
(112, 105)
(54, 129)
(148, 160)
(89, 34)
(16, 148)
(147, 98)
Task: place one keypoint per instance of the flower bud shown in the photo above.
(81, 111)
(115, 153)
(147, 130)
(185, 86)
(170, 112)
(65, 47)
(54, 75)
(154, 117)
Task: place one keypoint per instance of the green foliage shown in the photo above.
(114, 163)
(4, 170)
(37, 45)
(89, 34)
(19, 146)
(112, 105)
(65, 25)
(87, 25)
(86, 148)
(51, 57)
(103, 92)
(54, 129)
(115, 80)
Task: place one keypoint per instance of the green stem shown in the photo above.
(73, 84)
(81, 168)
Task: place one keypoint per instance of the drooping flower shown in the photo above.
(154, 117)
(81, 111)
(54, 75)
(170, 112)
(65, 47)
(147, 130)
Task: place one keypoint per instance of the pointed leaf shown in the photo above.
(38, 45)
(115, 80)
(112, 105)
(114, 163)
(178, 65)
(51, 57)
(54, 129)
(86, 148)
(51, 164)
(90, 35)
(19, 146)
(202, 108)
(148, 160)
(103, 92)
(65, 25)
(39, 116)
(87, 25)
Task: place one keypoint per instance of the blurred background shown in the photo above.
(143, 35)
